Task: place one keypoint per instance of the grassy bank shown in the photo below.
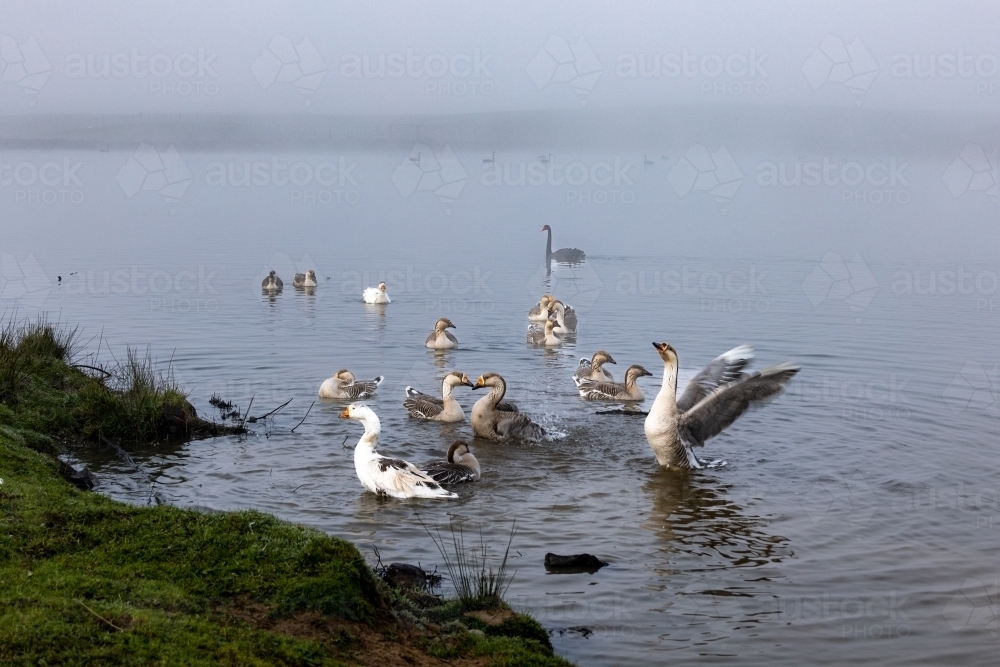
(86, 579)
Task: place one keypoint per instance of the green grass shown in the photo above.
(88, 580)
(43, 390)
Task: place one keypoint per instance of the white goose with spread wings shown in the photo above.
(496, 420)
(461, 466)
(376, 294)
(713, 400)
(445, 409)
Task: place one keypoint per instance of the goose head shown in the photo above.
(457, 450)
(344, 376)
(635, 372)
(456, 379)
(381, 287)
(359, 412)
(443, 323)
(489, 380)
(550, 324)
(666, 352)
(311, 275)
(601, 357)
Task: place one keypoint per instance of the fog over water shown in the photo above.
(820, 182)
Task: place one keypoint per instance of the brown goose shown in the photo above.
(490, 419)
(541, 311)
(461, 466)
(593, 368)
(713, 400)
(344, 386)
(565, 317)
(614, 391)
(444, 409)
(544, 336)
(441, 338)
(307, 279)
(272, 283)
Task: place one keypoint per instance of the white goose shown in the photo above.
(713, 400)
(441, 338)
(461, 466)
(386, 476)
(376, 294)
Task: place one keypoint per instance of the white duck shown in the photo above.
(376, 294)
(461, 466)
(307, 279)
(445, 409)
(441, 338)
(538, 336)
(386, 476)
(344, 386)
(713, 400)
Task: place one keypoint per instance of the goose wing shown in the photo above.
(506, 406)
(570, 318)
(724, 405)
(422, 405)
(299, 279)
(725, 368)
(535, 335)
(597, 389)
(399, 475)
(516, 424)
(360, 389)
(444, 472)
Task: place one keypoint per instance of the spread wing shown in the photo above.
(450, 473)
(399, 475)
(596, 389)
(360, 389)
(421, 405)
(515, 424)
(725, 368)
(714, 413)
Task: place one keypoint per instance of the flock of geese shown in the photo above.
(713, 399)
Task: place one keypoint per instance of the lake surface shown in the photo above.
(858, 515)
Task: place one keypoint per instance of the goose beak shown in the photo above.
(479, 383)
(466, 381)
(612, 361)
(346, 414)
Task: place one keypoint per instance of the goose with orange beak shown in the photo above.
(383, 475)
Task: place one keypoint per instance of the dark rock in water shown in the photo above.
(82, 479)
(404, 575)
(574, 564)
(623, 411)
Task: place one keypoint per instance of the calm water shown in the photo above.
(858, 517)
